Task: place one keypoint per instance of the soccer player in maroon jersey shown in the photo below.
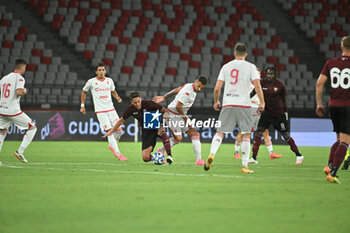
(275, 113)
(149, 136)
(338, 70)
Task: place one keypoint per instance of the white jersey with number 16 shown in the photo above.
(9, 103)
(237, 75)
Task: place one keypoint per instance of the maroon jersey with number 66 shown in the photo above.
(338, 70)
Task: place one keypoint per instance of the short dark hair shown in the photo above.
(345, 42)
(240, 49)
(99, 64)
(273, 69)
(134, 94)
(20, 62)
(203, 79)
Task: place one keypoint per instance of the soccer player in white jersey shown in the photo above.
(237, 76)
(101, 89)
(12, 88)
(178, 108)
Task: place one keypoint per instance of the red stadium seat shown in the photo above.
(111, 47)
(171, 71)
(7, 44)
(212, 36)
(23, 30)
(294, 60)
(153, 48)
(139, 62)
(141, 55)
(258, 52)
(334, 47)
(21, 37)
(272, 59)
(272, 45)
(5, 22)
(216, 50)
(195, 49)
(259, 31)
(56, 25)
(36, 52)
(88, 54)
(126, 70)
(107, 61)
(82, 39)
(124, 40)
(185, 56)
(46, 60)
(31, 67)
(174, 49)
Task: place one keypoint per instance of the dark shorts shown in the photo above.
(279, 122)
(149, 138)
(341, 119)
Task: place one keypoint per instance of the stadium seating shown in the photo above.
(170, 41)
(45, 72)
(325, 22)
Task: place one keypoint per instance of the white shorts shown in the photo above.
(107, 119)
(232, 116)
(174, 124)
(256, 118)
(22, 121)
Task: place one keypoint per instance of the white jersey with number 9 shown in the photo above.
(237, 75)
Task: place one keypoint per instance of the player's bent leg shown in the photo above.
(238, 144)
(257, 141)
(293, 147)
(113, 146)
(146, 154)
(245, 153)
(3, 133)
(118, 133)
(166, 144)
(215, 144)
(196, 144)
(27, 139)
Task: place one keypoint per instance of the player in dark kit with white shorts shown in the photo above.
(149, 136)
(275, 113)
(338, 70)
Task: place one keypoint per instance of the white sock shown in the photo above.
(117, 136)
(27, 139)
(113, 144)
(269, 147)
(237, 146)
(196, 143)
(2, 138)
(245, 151)
(173, 142)
(215, 144)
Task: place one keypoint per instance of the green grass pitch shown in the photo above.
(82, 187)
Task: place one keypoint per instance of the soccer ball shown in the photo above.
(158, 158)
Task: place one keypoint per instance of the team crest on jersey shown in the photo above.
(187, 93)
(275, 89)
(21, 80)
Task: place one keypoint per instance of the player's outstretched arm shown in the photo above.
(217, 93)
(258, 90)
(82, 100)
(159, 99)
(319, 91)
(115, 127)
(21, 91)
(116, 96)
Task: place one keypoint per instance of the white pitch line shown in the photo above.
(162, 173)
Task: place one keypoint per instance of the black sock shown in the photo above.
(254, 157)
(334, 171)
(329, 164)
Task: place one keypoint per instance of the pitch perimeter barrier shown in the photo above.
(69, 126)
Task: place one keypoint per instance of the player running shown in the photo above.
(178, 108)
(12, 88)
(101, 89)
(338, 70)
(237, 76)
(276, 113)
(149, 136)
